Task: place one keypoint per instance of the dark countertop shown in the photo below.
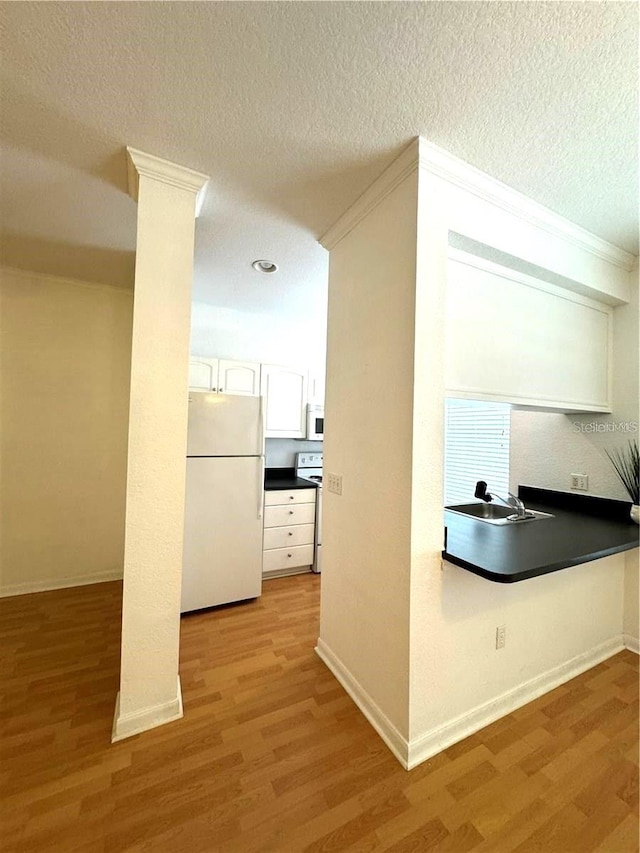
(583, 528)
(285, 478)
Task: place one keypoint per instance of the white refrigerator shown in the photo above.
(222, 557)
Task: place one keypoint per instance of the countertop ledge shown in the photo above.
(276, 479)
(583, 528)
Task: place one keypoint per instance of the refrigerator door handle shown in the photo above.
(261, 464)
(261, 417)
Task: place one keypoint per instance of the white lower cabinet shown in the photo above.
(289, 532)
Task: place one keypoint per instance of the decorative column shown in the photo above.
(169, 198)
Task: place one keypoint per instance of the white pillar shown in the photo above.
(168, 197)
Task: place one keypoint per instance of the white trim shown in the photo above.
(430, 158)
(150, 166)
(434, 741)
(535, 403)
(127, 725)
(60, 279)
(439, 162)
(59, 583)
(459, 256)
(420, 749)
(632, 643)
(380, 722)
(393, 175)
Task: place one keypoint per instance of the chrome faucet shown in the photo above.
(513, 502)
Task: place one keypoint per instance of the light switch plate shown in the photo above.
(334, 483)
(580, 482)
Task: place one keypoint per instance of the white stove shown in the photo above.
(309, 467)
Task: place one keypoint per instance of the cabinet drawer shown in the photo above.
(293, 496)
(287, 537)
(284, 516)
(284, 558)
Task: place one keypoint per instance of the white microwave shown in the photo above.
(315, 423)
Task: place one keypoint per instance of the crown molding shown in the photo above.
(140, 163)
(392, 176)
(17, 272)
(439, 162)
(429, 158)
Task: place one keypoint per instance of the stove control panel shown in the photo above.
(309, 460)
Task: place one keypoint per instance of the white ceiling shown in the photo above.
(293, 109)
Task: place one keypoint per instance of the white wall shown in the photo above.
(291, 335)
(413, 638)
(550, 621)
(546, 448)
(366, 530)
(65, 349)
(556, 625)
(632, 602)
(281, 452)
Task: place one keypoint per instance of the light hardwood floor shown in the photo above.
(272, 755)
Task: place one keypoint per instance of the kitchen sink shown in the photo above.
(496, 514)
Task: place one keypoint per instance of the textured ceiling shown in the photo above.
(293, 109)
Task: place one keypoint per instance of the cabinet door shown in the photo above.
(239, 377)
(203, 374)
(285, 393)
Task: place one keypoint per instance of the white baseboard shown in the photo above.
(434, 741)
(59, 583)
(127, 725)
(380, 722)
(632, 643)
(414, 752)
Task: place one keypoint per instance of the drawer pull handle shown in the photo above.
(290, 533)
(290, 497)
(290, 512)
(288, 555)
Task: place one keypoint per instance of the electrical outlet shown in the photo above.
(334, 483)
(501, 631)
(580, 482)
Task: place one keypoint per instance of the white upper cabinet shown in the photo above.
(239, 377)
(285, 393)
(514, 338)
(224, 376)
(203, 373)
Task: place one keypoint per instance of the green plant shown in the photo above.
(626, 462)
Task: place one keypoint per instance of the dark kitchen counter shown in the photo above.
(285, 478)
(583, 528)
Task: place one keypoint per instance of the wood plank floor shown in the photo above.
(273, 756)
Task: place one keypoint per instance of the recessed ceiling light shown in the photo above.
(265, 266)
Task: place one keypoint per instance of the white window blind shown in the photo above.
(476, 448)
